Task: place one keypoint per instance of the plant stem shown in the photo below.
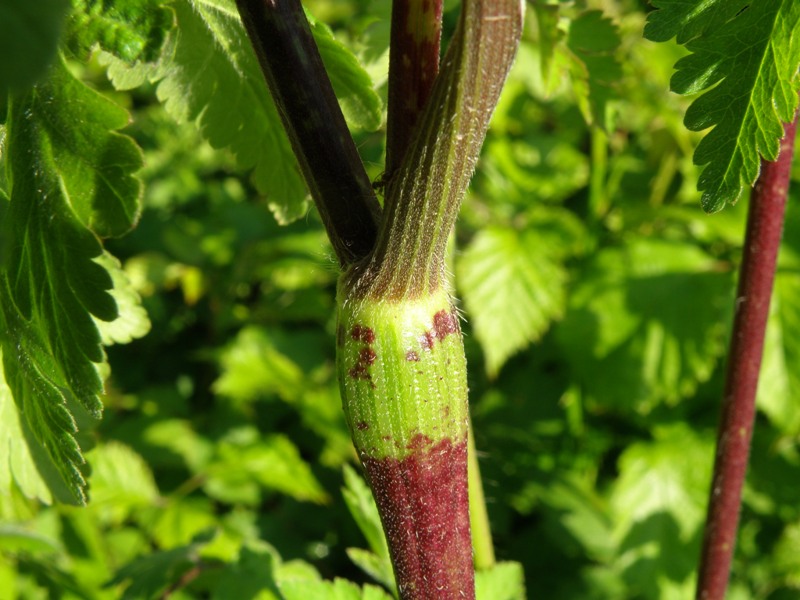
(311, 116)
(413, 66)
(756, 276)
(598, 197)
(423, 198)
(482, 546)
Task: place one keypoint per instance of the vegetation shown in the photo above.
(161, 268)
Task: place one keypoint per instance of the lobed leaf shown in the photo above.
(66, 183)
(745, 56)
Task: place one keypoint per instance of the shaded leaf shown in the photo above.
(29, 36)
(646, 323)
(593, 39)
(512, 287)
(149, 576)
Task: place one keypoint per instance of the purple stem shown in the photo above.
(757, 273)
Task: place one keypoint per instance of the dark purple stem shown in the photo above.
(757, 273)
(311, 116)
(413, 66)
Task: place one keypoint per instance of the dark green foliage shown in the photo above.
(222, 467)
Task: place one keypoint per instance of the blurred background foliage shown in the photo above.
(597, 300)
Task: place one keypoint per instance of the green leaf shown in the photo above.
(29, 36)
(747, 56)
(94, 164)
(779, 382)
(659, 505)
(646, 323)
(17, 464)
(549, 36)
(360, 103)
(63, 177)
(15, 538)
(121, 482)
(593, 39)
(130, 29)
(338, 589)
(513, 288)
(273, 462)
(209, 51)
(361, 505)
(151, 575)
(132, 321)
(253, 367)
(504, 581)
(251, 577)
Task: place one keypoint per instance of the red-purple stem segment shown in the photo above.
(302, 91)
(757, 274)
(413, 65)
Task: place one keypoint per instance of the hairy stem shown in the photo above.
(413, 66)
(423, 198)
(757, 273)
(302, 91)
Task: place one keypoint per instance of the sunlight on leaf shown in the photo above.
(748, 54)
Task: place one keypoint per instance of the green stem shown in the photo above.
(482, 545)
(598, 199)
(423, 199)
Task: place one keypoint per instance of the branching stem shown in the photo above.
(757, 273)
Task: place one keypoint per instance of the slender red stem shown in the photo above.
(757, 273)
(413, 66)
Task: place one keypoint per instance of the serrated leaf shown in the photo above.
(62, 178)
(29, 36)
(646, 323)
(504, 581)
(208, 51)
(748, 54)
(133, 30)
(513, 288)
(132, 321)
(17, 466)
(338, 589)
(151, 575)
(121, 482)
(659, 505)
(593, 39)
